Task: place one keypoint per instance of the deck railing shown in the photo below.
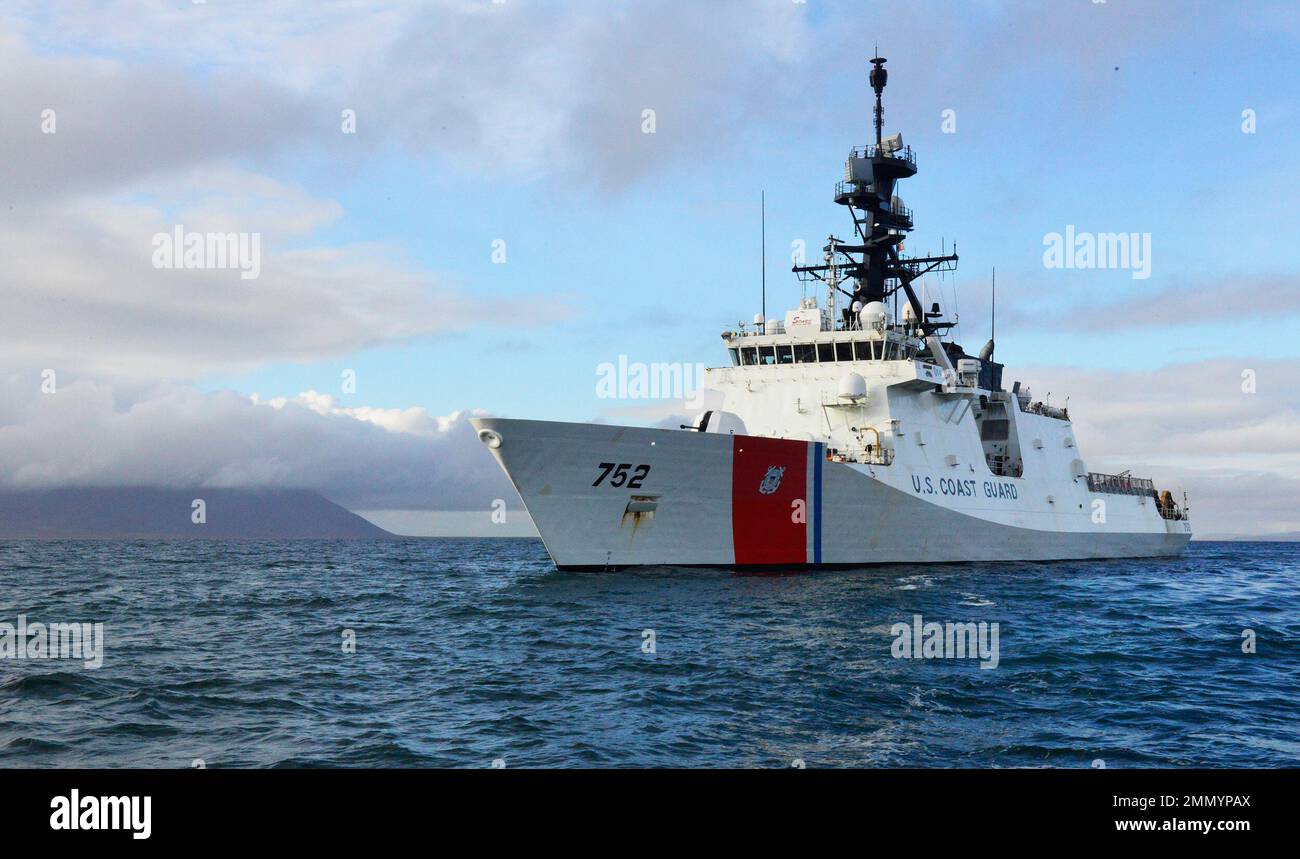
(866, 455)
(1120, 484)
(1172, 511)
(905, 154)
(1123, 484)
(1001, 466)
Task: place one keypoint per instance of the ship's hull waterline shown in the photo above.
(609, 497)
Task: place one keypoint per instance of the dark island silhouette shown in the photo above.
(150, 513)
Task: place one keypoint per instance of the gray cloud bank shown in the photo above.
(536, 89)
(1226, 300)
(89, 434)
(1191, 426)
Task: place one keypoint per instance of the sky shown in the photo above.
(461, 209)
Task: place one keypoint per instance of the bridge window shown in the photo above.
(766, 355)
(863, 350)
(844, 351)
(805, 353)
(825, 351)
(784, 355)
(735, 357)
(749, 356)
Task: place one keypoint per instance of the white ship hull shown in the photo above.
(838, 435)
(683, 498)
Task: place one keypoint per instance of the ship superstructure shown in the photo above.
(849, 432)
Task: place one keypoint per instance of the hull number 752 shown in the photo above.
(621, 474)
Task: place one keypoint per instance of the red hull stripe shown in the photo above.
(769, 510)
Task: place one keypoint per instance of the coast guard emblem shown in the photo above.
(771, 480)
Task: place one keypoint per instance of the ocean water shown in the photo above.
(470, 652)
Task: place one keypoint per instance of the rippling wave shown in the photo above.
(474, 651)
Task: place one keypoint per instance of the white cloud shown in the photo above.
(537, 90)
(94, 433)
(143, 143)
(1193, 427)
(80, 292)
(1195, 414)
(414, 421)
(1190, 426)
(118, 122)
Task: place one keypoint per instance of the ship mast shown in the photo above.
(881, 223)
(878, 77)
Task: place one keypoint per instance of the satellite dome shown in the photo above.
(853, 387)
(874, 315)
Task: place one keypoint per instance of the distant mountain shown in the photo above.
(142, 512)
(1277, 537)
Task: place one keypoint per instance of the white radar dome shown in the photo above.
(873, 315)
(853, 387)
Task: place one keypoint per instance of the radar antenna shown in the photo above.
(881, 222)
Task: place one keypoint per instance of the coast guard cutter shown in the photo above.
(848, 433)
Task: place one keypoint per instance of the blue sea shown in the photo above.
(474, 653)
